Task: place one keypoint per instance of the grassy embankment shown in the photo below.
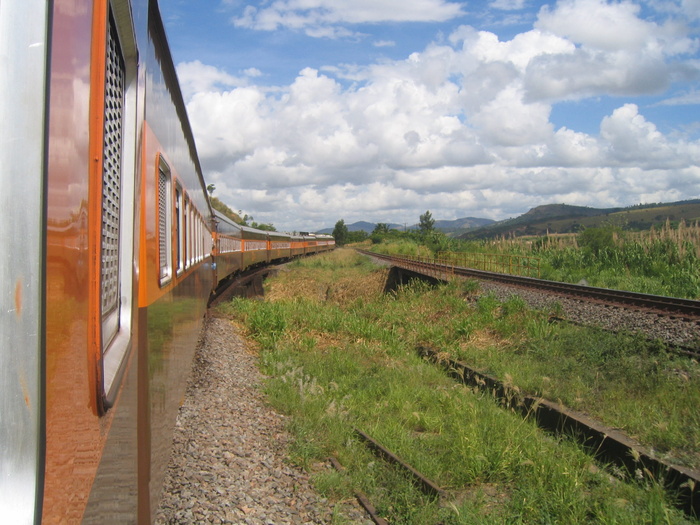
(340, 354)
(664, 261)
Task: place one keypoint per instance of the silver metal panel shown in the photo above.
(23, 78)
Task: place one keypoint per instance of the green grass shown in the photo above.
(624, 380)
(663, 263)
(341, 354)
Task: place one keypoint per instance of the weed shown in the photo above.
(344, 363)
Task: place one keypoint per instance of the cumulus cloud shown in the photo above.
(326, 17)
(598, 24)
(633, 140)
(462, 127)
(196, 77)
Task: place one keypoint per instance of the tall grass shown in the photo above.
(342, 355)
(663, 261)
(660, 267)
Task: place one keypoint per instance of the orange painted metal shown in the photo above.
(100, 24)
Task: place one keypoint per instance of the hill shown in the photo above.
(360, 226)
(564, 218)
(449, 227)
(459, 225)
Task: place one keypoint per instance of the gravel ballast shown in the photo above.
(230, 461)
(672, 330)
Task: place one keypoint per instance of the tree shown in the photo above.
(356, 236)
(263, 226)
(340, 232)
(597, 239)
(223, 208)
(427, 223)
(381, 228)
(211, 188)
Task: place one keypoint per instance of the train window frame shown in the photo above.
(164, 222)
(116, 347)
(178, 227)
(191, 257)
(186, 226)
(112, 187)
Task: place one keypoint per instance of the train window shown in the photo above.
(195, 237)
(111, 184)
(191, 255)
(164, 223)
(179, 256)
(190, 236)
(200, 239)
(186, 233)
(117, 149)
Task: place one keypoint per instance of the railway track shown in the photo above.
(607, 443)
(685, 309)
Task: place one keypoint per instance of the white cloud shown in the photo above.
(691, 97)
(598, 24)
(635, 141)
(615, 26)
(321, 17)
(508, 121)
(463, 127)
(508, 5)
(196, 77)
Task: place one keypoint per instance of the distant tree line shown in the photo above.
(426, 233)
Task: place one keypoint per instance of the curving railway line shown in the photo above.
(686, 309)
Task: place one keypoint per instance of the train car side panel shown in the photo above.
(24, 46)
(177, 277)
(68, 390)
(280, 246)
(92, 209)
(255, 246)
(228, 247)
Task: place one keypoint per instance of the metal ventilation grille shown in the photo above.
(163, 223)
(111, 175)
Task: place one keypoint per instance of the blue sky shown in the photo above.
(310, 111)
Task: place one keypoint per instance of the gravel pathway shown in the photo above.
(230, 462)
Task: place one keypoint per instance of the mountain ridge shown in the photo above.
(555, 218)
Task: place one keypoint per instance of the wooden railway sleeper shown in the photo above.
(604, 442)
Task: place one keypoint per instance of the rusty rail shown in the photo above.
(605, 442)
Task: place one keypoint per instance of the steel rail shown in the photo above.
(669, 306)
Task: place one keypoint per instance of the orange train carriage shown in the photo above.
(110, 252)
(239, 247)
